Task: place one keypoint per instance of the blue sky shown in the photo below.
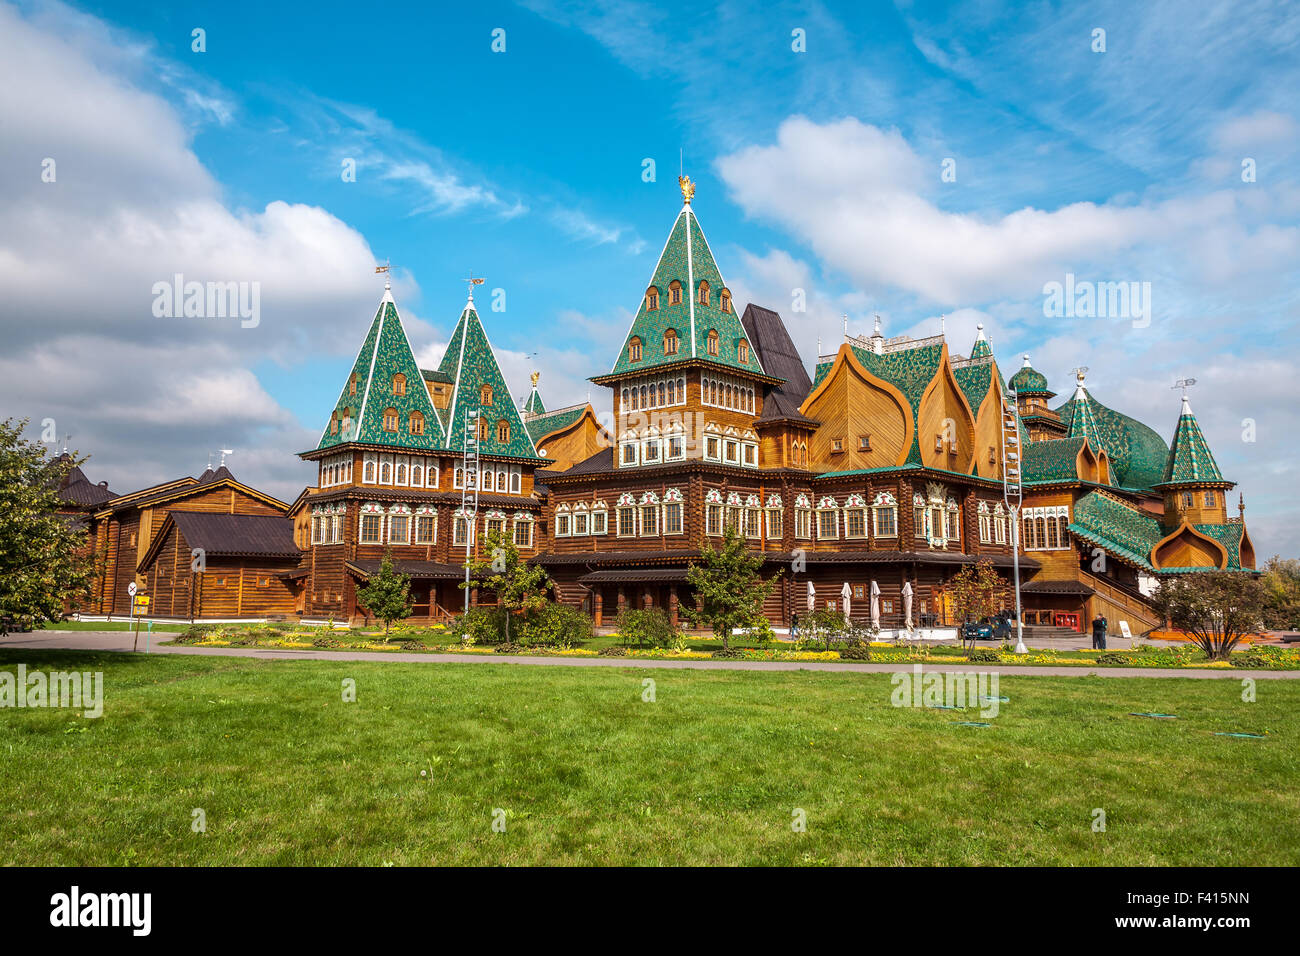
(817, 170)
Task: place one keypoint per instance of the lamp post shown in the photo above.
(471, 482)
(1012, 496)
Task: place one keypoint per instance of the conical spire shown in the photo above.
(534, 404)
(688, 261)
(1083, 423)
(385, 377)
(1190, 460)
(981, 347)
(478, 384)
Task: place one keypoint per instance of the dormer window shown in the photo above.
(725, 301)
(399, 384)
(743, 351)
(503, 431)
(713, 341)
(675, 293)
(390, 419)
(704, 293)
(416, 423)
(670, 342)
(352, 384)
(485, 395)
(651, 299)
(634, 349)
(334, 423)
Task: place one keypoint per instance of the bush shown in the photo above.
(613, 650)
(983, 655)
(244, 640)
(556, 625)
(645, 628)
(855, 652)
(729, 653)
(412, 646)
(326, 642)
(509, 647)
(194, 634)
(484, 625)
(1114, 658)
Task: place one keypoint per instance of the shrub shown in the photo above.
(412, 646)
(509, 647)
(614, 650)
(983, 655)
(194, 634)
(855, 652)
(1114, 658)
(729, 653)
(326, 642)
(556, 625)
(645, 628)
(244, 640)
(483, 625)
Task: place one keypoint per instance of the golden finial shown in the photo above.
(535, 376)
(688, 188)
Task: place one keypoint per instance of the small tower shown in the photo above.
(1193, 487)
(1032, 395)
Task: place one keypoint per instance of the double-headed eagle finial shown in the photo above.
(688, 188)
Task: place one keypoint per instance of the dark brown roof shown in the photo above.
(598, 463)
(1055, 587)
(243, 535)
(433, 375)
(634, 576)
(77, 490)
(776, 351)
(784, 557)
(416, 569)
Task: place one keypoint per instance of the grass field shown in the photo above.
(586, 772)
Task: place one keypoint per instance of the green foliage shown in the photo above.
(520, 587)
(556, 625)
(823, 626)
(1216, 608)
(483, 625)
(387, 595)
(1281, 581)
(974, 592)
(983, 655)
(855, 652)
(729, 591)
(647, 627)
(45, 562)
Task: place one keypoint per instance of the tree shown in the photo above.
(729, 592)
(520, 587)
(45, 562)
(1281, 580)
(1215, 608)
(973, 593)
(387, 594)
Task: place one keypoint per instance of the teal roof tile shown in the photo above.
(1137, 454)
(1189, 459)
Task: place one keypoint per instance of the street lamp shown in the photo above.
(1012, 496)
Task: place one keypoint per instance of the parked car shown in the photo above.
(972, 631)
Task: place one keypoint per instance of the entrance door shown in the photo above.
(1065, 619)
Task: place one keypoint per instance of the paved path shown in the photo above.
(121, 641)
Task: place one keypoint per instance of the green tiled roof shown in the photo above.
(470, 363)
(1052, 460)
(534, 404)
(541, 425)
(1115, 527)
(1228, 535)
(1028, 381)
(687, 259)
(1189, 458)
(1137, 454)
(384, 353)
(974, 381)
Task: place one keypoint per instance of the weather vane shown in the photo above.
(1079, 372)
(1184, 384)
(386, 269)
(471, 281)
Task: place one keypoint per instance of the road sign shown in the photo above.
(142, 602)
(131, 589)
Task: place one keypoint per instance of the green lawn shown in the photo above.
(587, 772)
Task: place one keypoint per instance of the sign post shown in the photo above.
(139, 605)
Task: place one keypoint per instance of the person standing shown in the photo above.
(1098, 633)
(794, 625)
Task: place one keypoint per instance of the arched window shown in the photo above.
(634, 349)
(416, 423)
(743, 350)
(390, 419)
(713, 341)
(482, 428)
(651, 299)
(334, 423)
(399, 384)
(627, 398)
(725, 301)
(670, 342)
(675, 293)
(503, 431)
(704, 293)
(352, 384)
(485, 395)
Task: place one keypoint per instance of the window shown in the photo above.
(837, 445)
(634, 349)
(503, 433)
(352, 384)
(370, 529)
(711, 445)
(580, 523)
(751, 454)
(670, 342)
(1187, 499)
(864, 443)
(986, 524)
(524, 532)
(334, 423)
(855, 523)
(599, 517)
(753, 522)
(827, 523)
(485, 395)
(399, 529)
(713, 342)
(713, 519)
(563, 524)
(494, 524)
(399, 384)
(390, 419)
(629, 453)
(803, 523)
(725, 301)
(919, 514)
(1210, 499)
(651, 299)
(385, 470)
(743, 351)
(938, 442)
(676, 448)
(704, 293)
(650, 451)
(425, 529)
(885, 514)
(952, 524)
(732, 450)
(774, 522)
(368, 471)
(999, 526)
(649, 520)
(626, 522)
(416, 425)
(675, 293)
(673, 517)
